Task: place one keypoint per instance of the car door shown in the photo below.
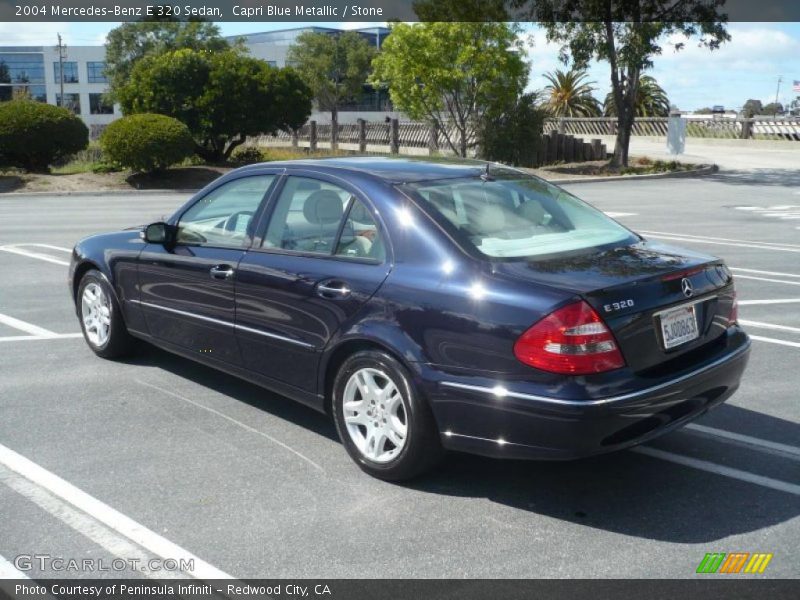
(321, 255)
(186, 289)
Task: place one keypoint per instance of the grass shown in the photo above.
(638, 166)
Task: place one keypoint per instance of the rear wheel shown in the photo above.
(101, 320)
(386, 427)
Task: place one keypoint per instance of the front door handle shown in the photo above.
(333, 289)
(221, 272)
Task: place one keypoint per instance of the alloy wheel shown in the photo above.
(375, 414)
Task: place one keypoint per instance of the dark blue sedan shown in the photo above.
(425, 306)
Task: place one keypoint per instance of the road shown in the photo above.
(156, 457)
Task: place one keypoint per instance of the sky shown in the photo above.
(746, 67)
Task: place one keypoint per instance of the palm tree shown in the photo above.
(570, 95)
(651, 100)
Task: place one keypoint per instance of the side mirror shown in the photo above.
(156, 233)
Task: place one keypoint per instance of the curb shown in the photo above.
(706, 170)
(101, 193)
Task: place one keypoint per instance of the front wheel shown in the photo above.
(101, 320)
(386, 427)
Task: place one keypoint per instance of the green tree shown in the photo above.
(131, 42)
(513, 135)
(627, 34)
(222, 97)
(335, 68)
(651, 100)
(569, 94)
(773, 108)
(452, 73)
(751, 108)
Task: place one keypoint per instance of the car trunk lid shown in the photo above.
(638, 288)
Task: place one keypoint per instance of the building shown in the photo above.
(36, 71)
(273, 47)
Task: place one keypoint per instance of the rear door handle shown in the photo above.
(333, 289)
(221, 272)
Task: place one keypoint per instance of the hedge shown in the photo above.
(34, 135)
(146, 142)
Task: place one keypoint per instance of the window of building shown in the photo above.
(96, 72)
(99, 106)
(21, 68)
(34, 92)
(70, 71)
(71, 101)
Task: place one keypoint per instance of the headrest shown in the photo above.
(488, 218)
(360, 213)
(323, 207)
(532, 212)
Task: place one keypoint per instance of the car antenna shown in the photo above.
(486, 176)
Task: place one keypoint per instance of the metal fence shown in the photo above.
(766, 128)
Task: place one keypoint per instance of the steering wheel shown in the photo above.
(229, 226)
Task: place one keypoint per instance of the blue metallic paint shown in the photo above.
(448, 315)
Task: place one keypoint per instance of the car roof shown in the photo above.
(392, 170)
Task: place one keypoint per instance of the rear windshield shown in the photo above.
(519, 216)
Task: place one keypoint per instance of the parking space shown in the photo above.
(157, 457)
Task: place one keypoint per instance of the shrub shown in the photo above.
(146, 142)
(247, 156)
(513, 135)
(34, 135)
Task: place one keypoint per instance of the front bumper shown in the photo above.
(486, 418)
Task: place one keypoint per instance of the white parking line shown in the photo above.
(677, 237)
(29, 254)
(768, 279)
(25, 326)
(783, 450)
(50, 246)
(232, 420)
(28, 338)
(721, 239)
(9, 571)
(757, 302)
(615, 215)
(106, 515)
(762, 325)
(82, 523)
(764, 272)
(768, 340)
(704, 465)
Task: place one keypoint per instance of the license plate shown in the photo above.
(678, 326)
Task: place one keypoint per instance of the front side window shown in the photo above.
(313, 216)
(519, 216)
(222, 217)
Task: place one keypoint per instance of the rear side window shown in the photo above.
(314, 216)
(520, 217)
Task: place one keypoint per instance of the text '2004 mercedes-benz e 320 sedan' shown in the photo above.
(425, 306)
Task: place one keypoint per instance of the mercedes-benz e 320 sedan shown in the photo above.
(425, 306)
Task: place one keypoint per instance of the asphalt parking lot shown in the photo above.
(157, 457)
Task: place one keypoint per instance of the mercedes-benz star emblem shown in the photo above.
(686, 287)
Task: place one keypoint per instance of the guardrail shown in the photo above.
(765, 128)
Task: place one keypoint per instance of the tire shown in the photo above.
(373, 398)
(100, 317)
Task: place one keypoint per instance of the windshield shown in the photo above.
(519, 216)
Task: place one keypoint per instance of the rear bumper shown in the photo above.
(486, 418)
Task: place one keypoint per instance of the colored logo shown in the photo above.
(734, 562)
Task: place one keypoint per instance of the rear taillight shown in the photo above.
(572, 340)
(733, 317)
